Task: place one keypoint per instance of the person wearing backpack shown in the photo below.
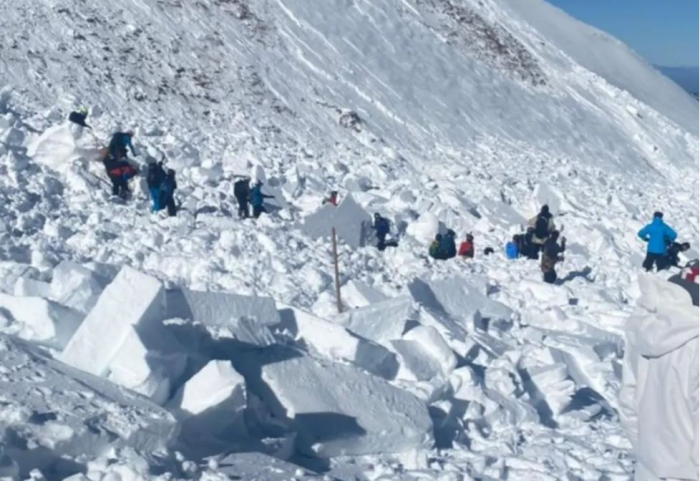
(154, 179)
(657, 235)
(167, 193)
(551, 256)
(434, 250)
(120, 143)
(543, 225)
(241, 191)
(466, 248)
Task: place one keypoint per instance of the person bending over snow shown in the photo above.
(671, 258)
(659, 393)
(120, 143)
(551, 256)
(657, 235)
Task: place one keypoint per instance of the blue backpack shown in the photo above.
(511, 251)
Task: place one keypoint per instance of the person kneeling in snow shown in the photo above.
(659, 393)
(551, 256)
(119, 172)
(257, 199)
(466, 248)
(448, 246)
(154, 179)
(513, 247)
(167, 193)
(434, 250)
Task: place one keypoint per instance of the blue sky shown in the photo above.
(664, 32)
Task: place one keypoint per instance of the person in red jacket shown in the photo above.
(466, 248)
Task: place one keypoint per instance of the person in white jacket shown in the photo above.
(659, 393)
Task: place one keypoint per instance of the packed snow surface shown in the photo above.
(206, 347)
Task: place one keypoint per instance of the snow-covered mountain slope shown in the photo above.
(460, 113)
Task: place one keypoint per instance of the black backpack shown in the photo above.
(542, 227)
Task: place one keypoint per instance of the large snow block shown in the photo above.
(459, 298)
(358, 294)
(239, 314)
(432, 342)
(339, 410)
(132, 299)
(75, 286)
(211, 401)
(39, 320)
(335, 342)
(261, 467)
(62, 411)
(351, 222)
(381, 322)
(149, 364)
(28, 287)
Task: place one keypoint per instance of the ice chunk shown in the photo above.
(424, 228)
(75, 286)
(380, 322)
(339, 410)
(27, 287)
(358, 294)
(10, 272)
(219, 309)
(74, 413)
(40, 320)
(550, 384)
(211, 402)
(149, 364)
(132, 299)
(415, 363)
(433, 344)
(352, 223)
(335, 342)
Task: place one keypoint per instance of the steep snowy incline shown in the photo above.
(611, 59)
(427, 79)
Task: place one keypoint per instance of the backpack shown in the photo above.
(542, 227)
(434, 250)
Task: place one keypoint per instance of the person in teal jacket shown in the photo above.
(257, 199)
(657, 235)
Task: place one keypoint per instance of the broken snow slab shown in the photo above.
(334, 342)
(28, 287)
(53, 408)
(38, 320)
(260, 467)
(339, 410)
(245, 318)
(381, 322)
(75, 286)
(358, 294)
(109, 323)
(351, 222)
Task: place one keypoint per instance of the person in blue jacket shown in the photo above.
(512, 247)
(121, 141)
(657, 235)
(257, 199)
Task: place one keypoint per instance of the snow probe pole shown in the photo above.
(337, 271)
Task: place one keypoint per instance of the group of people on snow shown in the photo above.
(247, 197)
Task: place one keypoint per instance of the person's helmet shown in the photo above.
(376, 215)
(544, 209)
(659, 214)
(130, 133)
(470, 237)
(83, 110)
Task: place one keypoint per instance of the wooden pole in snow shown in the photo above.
(337, 271)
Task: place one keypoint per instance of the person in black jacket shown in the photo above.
(241, 191)
(672, 252)
(78, 117)
(551, 256)
(167, 193)
(120, 143)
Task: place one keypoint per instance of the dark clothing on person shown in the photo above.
(167, 193)
(119, 173)
(79, 118)
(550, 257)
(119, 145)
(381, 228)
(652, 259)
(671, 258)
(448, 248)
(257, 199)
(241, 191)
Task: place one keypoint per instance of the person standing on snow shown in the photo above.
(155, 177)
(551, 256)
(659, 392)
(119, 173)
(241, 191)
(657, 235)
(257, 199)
(167, 193)
(466, 248)
(381, 228)
(543, 225)
(120, 143)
